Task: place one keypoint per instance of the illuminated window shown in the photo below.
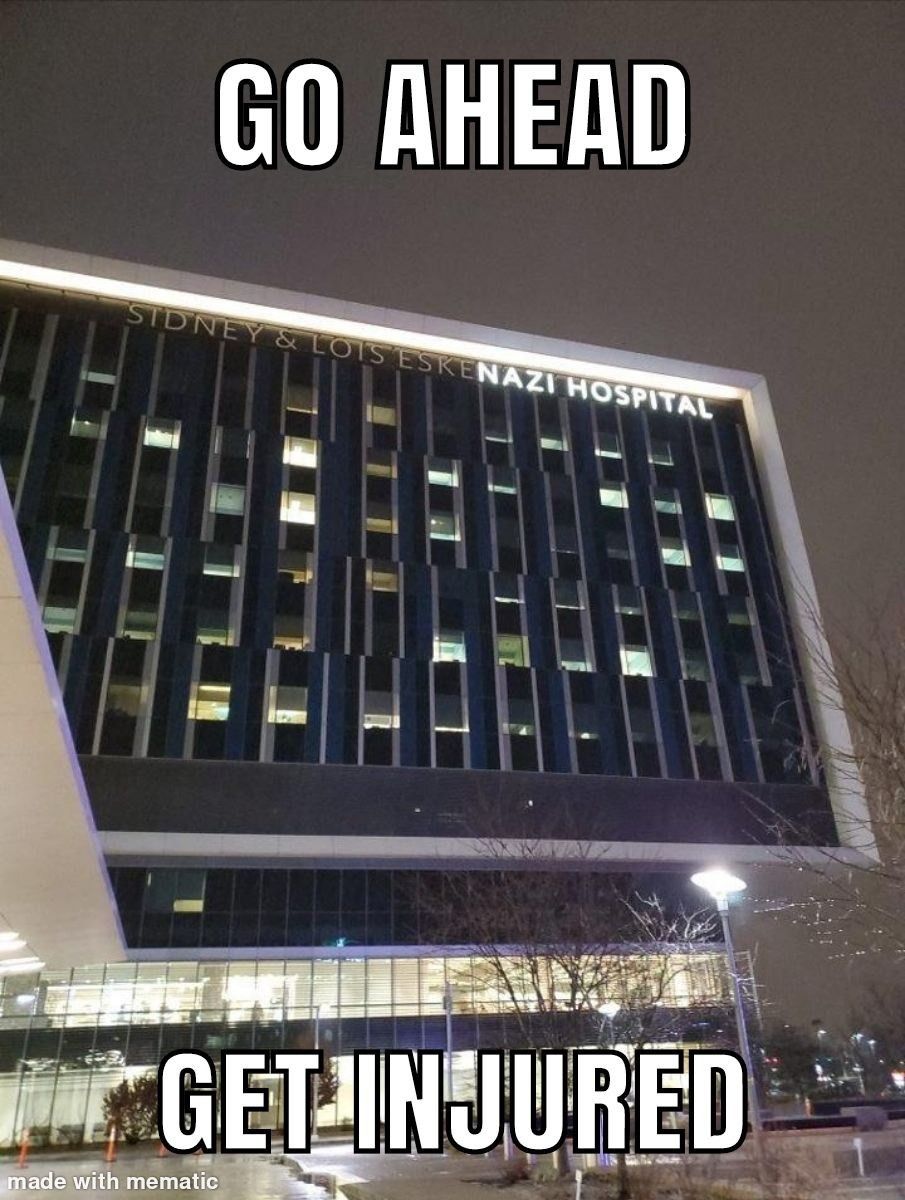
(660, 453)
(146, 554)
(71, 546)
(294, 566)
(382, 577)
(503, 480)
(553, 443)
(84, 425)
(674, 552)
(162, 435)
(58, 618)
(104, 377)
(288, 705)
(380, 711)
(667, 501)
(297, 508)
(449, 646)
(209, 702)
(290, 639)
(213, 628)
(636, 660)
(613, 495)
(444, 527)
(221, 561)
(443, 473)
(168, 891)
(608, 446)
(719, 507)
(703, 729)
(380, 518)
(512, 650)
(521, 718)
(300, 452)
(730, 557)
(228, 499)
(141, 622)
(381, 413)
(381, 464)
(123, 699)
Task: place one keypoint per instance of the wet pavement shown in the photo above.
(140, 1173)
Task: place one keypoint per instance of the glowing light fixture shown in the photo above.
(142, 293)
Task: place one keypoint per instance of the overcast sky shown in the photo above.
(777, 246)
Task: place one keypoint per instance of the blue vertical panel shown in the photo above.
(672, 728)
(480, 672)
(176, 698)
(51, 428)
(538, 537)
(76, 683)
(603, 627)
(538, 623)
(551, 704)
(409, 508)
(524, 431)
(409, 703)
(413, 414)
(261, 559)
(317, 680)
(739, 734)
(182, 553)
(644, 534)
(476, 507)
(335, 702)
(108, 567)
(138, 367)
(196, 413)
(239, 702)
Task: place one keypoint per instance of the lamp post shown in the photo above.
(317, 1046)
(448, 1008)
(608, 1009)
(720, 885)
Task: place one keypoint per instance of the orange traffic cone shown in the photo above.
(110, 1154)
(23, 1148)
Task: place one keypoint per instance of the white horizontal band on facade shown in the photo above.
(381, 325)
(327, 850)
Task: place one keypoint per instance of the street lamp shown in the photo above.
(720, 885)
(608, 1009)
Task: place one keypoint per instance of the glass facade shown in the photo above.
(67, 1037)
(265, 555)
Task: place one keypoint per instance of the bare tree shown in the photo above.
(858, 675)
(559, 943)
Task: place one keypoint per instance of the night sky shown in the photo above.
(776, 247)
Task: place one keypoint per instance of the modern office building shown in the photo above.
(323, 586)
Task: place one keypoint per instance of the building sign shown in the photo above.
(407, 359)
(395, 357)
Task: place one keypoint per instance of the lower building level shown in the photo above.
(68, 1037)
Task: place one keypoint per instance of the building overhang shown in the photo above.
(54, 890)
